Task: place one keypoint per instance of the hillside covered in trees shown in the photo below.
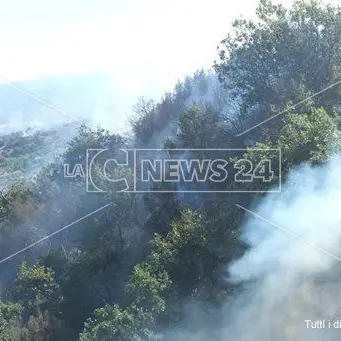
(191, 266)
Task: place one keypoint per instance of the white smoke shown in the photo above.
(293, 267)
(291, 272)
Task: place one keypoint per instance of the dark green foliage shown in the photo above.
(284, 55)
(10, 316)
(36, 290)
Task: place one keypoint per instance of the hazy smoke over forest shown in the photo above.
(292, 276)
(290, 273)
(292, 270)
(189, 252)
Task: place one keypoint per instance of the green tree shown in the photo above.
(307, 137)
(114, 324)
(36, 289)
(283, 55)
(10, 320)
(43, 327)
(312, 137)
(201, 128)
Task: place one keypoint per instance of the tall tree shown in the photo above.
(284, 55)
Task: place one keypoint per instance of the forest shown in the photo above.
(164, 266)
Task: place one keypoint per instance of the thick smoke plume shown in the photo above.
(292, 276)
(291, 272)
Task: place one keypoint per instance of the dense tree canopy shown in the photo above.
(130, 271)
(284, 55)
